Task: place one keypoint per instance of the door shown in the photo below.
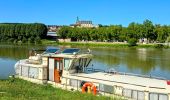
(58, 69)
(51, 64)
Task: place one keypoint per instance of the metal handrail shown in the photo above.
(124, 73)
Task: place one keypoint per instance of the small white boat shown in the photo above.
(68, 69)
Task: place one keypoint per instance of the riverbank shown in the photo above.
(104, 44)
(92, 44)
(18, 89)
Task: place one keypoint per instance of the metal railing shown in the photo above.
(124, 73)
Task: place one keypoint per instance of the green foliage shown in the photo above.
(31, 40)
(132, 42)
(159, 46)
(168, 39)
(37, 40)
(19, 32)
(114, 33)
(24, 40)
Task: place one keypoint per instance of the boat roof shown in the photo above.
(70, 53)
(125, 81)
(51, 50)
(62, 55)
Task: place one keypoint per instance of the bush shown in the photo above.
(10, 40)
(132, 42)
(15, 41)
(24, 40)
(37, 40)
(31, 39)
(159, 46)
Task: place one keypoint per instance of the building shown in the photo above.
(83, 23)
(53, 28)
(52, 32)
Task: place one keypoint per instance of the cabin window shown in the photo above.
(74, 83)
(57, 65)
(157, 96)
(141, 95)
(66, 63)
(163, 97)
(106, 88)
(127, 92)
(135, 94)
(33, 72)
(25, 71)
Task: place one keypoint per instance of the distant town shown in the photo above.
(79, 23)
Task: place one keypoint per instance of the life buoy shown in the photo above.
(92, 88)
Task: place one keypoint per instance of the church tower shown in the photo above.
(77, 20)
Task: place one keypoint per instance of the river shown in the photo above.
(145, 61)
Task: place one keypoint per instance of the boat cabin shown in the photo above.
(69, 61)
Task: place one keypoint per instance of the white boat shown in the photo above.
(69, 70)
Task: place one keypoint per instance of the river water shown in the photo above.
(145, 61)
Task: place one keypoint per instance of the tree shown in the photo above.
(148, 32)
(18, 31)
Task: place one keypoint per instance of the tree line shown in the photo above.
(21, 32)
(134, 31)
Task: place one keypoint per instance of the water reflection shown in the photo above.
(6, 68)
(139, 61)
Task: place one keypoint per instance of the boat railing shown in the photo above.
(145, 76)
(123, 73)
(94, 70)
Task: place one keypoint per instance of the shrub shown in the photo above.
(37, 40)
(31, 39)
(24, 40)
(159, 46)
(132, 42)
(11, 40)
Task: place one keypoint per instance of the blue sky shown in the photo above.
(64, 12)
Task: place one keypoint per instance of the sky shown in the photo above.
(64, 12)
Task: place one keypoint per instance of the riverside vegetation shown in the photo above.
(22, 33)
(17, 89)
(118, 33)
(36, 33)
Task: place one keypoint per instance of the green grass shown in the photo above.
(24, 90)
(94, 44)
(101, 44)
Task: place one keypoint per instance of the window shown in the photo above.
(141, 95)
(106, 88)
(157, 96)
(127, 92)
(135, 94)
(74, 83)
(66, 63)
(163, 97)
(33, 72)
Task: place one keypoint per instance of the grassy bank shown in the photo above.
(24, 90)
(103, 44)
(92, 44)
